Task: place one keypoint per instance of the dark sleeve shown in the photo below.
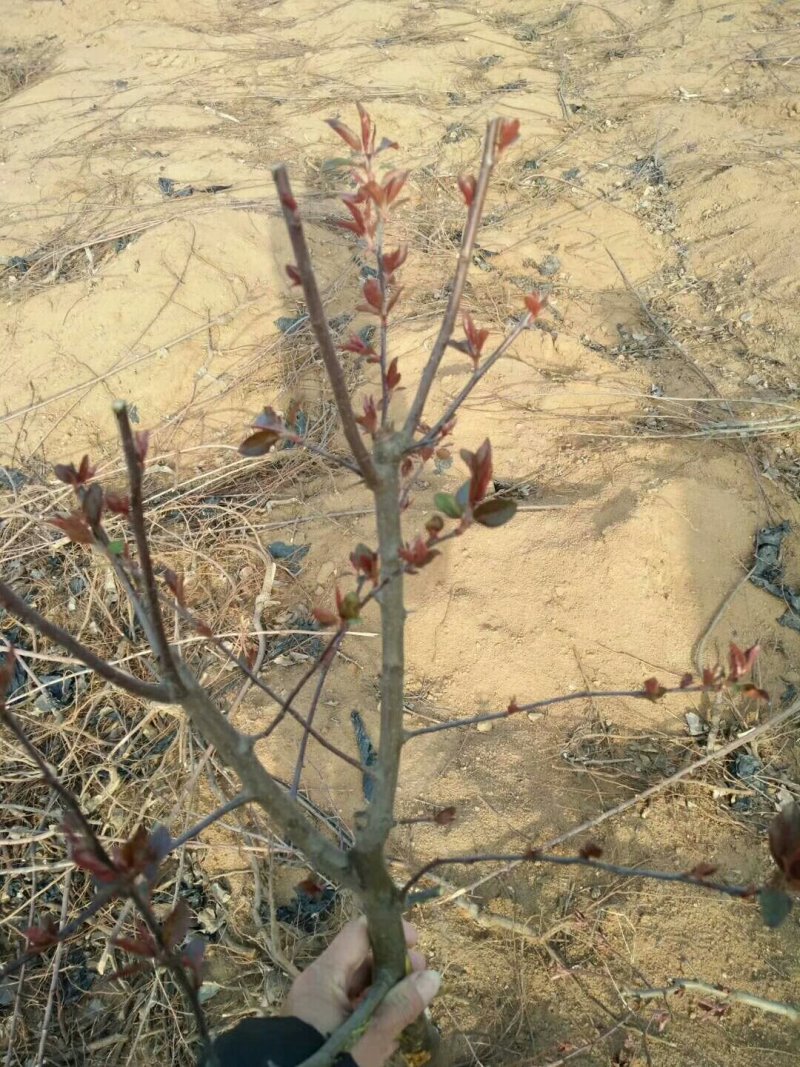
(282, 1041)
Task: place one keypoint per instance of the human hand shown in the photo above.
(326, 993)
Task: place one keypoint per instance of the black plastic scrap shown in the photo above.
(169, 190)
(767, 572)
(366, 753)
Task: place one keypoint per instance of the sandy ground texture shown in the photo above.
(653, 194)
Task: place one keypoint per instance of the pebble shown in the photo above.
(484, 727)
(535, 716)
(549, 266)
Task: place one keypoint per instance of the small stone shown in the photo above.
(484, 727)
(549, 266)
(746, 316)
(535, 716)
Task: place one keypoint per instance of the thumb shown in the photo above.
(401, 1006)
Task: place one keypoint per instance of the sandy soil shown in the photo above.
(654, 191)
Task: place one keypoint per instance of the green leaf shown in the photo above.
(350, 607)
(116, 548)
(494, 512)
(775, 906)
(449, 505)
(462, 496)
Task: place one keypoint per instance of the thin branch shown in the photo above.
(383, 347)
(742, 892)
(479, 372)
(95, 904)
(320, 326)
(194, 831)
(134, 465)
(236, 751)
(340, 461)
(459, 279)
(686, 772)
(514, 709)
(307, 675)
(301, 755)
(169, 960)
(679, 985)
(54, 980)
(159, 693)
(53, 781)
(348, 1032)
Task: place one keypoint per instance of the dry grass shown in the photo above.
(24, 65)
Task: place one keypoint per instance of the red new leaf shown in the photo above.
(480, 466)
(393, 184)
(686, 681)
(417, 554)
(143, 944)
(118, 503)
(367, 130)
(72, 475)
(534, 302)
(365, 562)
(325, 617)
(392, 376)
(507, 134)
(476, 338)
(294, 274)
(653, 690)
(7, 669)
(346, 134)
(741, 663)
(372, 294)
(176, 925)
(392, 261)
(359, 347)
(44, 934)
(75, 527)
(467, 185)
(358, 224)
(175, 583)
(369, 420)
(258, 444)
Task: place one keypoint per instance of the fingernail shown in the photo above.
(427, 983)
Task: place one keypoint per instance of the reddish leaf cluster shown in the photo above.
(475, 338)
(741, 664)
(269, 429)
(507, 134)
(365, 562)
(480, 467)
(359, 347)
(445, 816)
(467, 185)
(369, 420)
(139, 856)
(75, 476)
(417, 554)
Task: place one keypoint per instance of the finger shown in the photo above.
(418, 961)
(402, 1006)
(410, 933)
(347, 952)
